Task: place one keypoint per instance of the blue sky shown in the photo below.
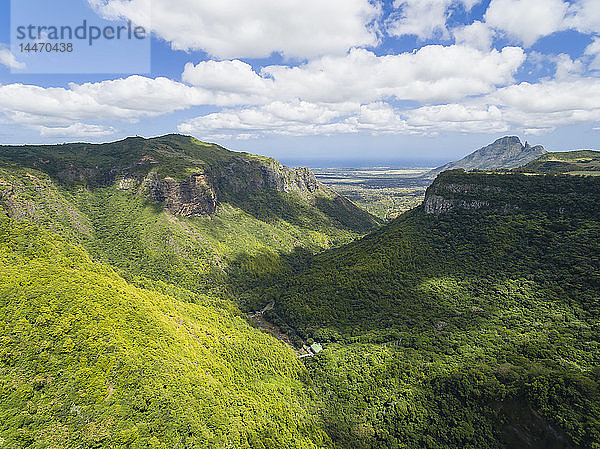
(413, 81)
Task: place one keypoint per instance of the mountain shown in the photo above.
(139, 278)
(506, 152)
(119, 313)
(175, 209)
(470, 321)
(581, 162)
(90, 360)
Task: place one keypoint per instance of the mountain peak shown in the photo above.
(507, 140)
(505, 153)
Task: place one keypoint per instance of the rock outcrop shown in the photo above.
(505, 153)
(191, 178)
(195, 195)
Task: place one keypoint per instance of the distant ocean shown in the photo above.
(363, 163)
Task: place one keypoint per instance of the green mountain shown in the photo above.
(471, 321)
(581, 162)
(176, 209)
(506, 152)
(119, 263)
(90, 360)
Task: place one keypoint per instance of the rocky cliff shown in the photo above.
(189, 177)
(505, 193)
(505, 153)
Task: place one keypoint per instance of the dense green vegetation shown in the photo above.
(76, 190)
(581, 162)
(471, 321)
(89, 360)
(477, 327)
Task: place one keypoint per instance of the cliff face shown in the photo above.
(201, 192)
(190, 178)
(195, 195)
(249, 174)
(569, 196)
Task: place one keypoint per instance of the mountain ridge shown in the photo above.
(175, 209)
(175, 170)
(504, 153)
(568, 162)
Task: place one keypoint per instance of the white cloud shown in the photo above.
(531, 108)
(293, 118)
(549, 97)
(9, 60)
(593, 51)
(235, 28)
(584, 16)
(128, 99)
(424, 18)
(434, 73)
(567, 67)
(526, 20)
(227, 76)
(476, 35)
(459, 117)
(83, 130)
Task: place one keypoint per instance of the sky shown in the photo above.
(418, 82)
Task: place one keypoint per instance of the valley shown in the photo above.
(383, 191)
(165, 292)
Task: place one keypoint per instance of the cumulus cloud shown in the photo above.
(533, 108)
(549, 97)
(232, 29)
(526, 20)
(584, 16)
(373, 118)
(424, 18)
(82, 130)
(593, 52)
(8, 59)
(293, 118)
(458, 117)
(477, 35)
(434, 73)
(128, 99)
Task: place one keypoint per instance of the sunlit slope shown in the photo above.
(176, 209)
(581, 162)
(471, 321)
(88, 360)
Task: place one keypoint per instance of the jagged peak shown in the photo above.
(507, 140)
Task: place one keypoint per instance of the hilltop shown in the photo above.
(175, 209)
(580, 162)
(506, 153)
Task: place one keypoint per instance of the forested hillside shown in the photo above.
(89, 360)
(176, 209)
(471, 321)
